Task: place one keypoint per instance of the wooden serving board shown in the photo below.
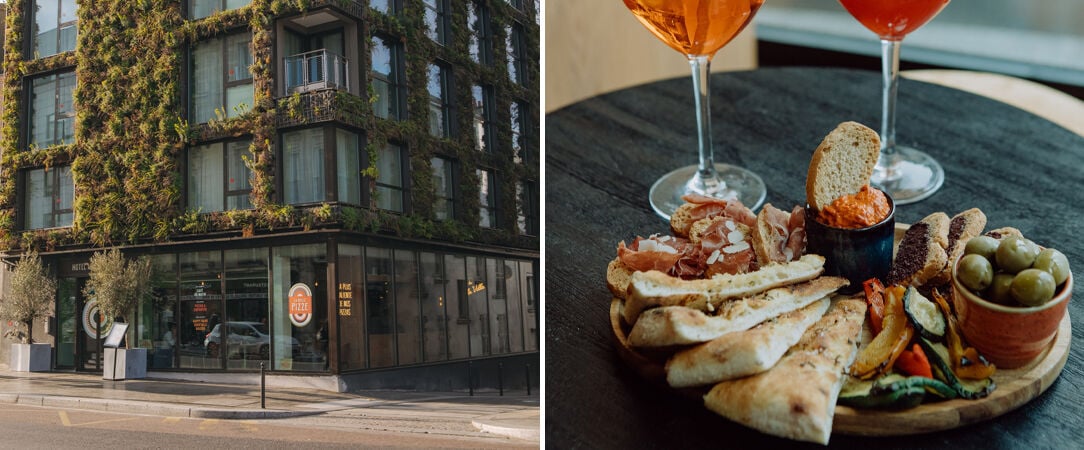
(1014, 387)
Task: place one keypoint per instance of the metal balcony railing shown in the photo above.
(316, 70)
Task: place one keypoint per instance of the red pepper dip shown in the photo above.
(866, 208)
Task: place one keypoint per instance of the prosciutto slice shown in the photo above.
(712, 207)
(725, 247)
(787, 238)
(653, 253)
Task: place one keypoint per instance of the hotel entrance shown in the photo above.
(79, 322)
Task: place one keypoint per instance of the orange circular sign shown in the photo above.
(299, 304)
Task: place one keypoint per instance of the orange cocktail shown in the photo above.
(695, 27)
(893, 19)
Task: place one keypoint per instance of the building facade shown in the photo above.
(342, 189)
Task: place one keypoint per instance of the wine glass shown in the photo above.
(905, 173)
(697, 29)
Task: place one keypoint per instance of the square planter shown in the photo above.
(31, 357)
(124, 363)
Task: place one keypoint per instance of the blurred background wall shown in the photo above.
(597, 46)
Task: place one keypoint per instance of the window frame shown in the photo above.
(56, 118)
(222, 102)
(189, 4)
(394, 7)
(31, 45)
(514, 53)
(440, 31)
(481, 36)
(394, 80)
(226, 192)
(483, 112)
(527, 213)
(451, 192)
(328, 137)
(442, 102)
(53, 175)
(517, 114)
(404, 179)
(488, 198)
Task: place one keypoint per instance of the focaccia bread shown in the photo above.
(796, 399)
(745, 353)
(677, 325)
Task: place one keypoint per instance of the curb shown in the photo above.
(148, 408)
(487, 425)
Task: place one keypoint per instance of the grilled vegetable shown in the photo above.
(879, 356)
(924, 314)
(893, 391)
(942, 370)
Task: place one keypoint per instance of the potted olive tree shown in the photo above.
(32, 296)
(118, 284)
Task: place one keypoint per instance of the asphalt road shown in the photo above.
(27, 427)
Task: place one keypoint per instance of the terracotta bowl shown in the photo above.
(856, 254)
(1008, 336)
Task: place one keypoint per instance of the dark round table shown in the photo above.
(603, 154)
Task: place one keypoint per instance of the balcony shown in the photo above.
(316, 70)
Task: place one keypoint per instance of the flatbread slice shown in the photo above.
(653, 288)
(796, 399)
(678, 325)
(736, 355)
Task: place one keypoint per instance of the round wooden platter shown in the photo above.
(1015, 387)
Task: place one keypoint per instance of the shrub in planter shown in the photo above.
(32, 294)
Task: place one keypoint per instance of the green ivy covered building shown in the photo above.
(341, 190)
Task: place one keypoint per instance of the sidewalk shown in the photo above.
(514, 415)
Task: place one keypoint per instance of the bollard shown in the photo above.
(500, 377)
(470, 377)
(263, 391)
(527, 372)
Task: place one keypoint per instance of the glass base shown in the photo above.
(909, 175)
(740, 183)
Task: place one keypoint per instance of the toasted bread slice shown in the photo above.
(682, 219)
(921, 254)
(962, 228)
(842, 164)
(618, 276)
(1004, 232)
(653, 288)
(677, 325)
(745, 353)
(796, 399)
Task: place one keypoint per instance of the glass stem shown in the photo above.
(890, 71)
(706, 181)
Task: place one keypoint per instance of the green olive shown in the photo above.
(985, 246)
(1054, 262)
(1015, 254)
(975, 272)
(1033, 287)
(999, 290)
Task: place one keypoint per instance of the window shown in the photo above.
(515, 55)
(303, 166)
(218, 178)
(519, 124)
(444, 185)
(389, 180)
(198, 9)
(436, 17)
(54, 27)
(527, 214)
(221, 80)
(439, 105)
(49, 193)
(348, 167)
(487, 198)
(481, 40)
(52, 115)
(483, 117)
(387, 56)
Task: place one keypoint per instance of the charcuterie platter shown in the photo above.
(832, 319)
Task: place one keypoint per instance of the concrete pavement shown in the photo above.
(515, 414)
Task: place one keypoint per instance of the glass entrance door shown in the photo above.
(67, 319)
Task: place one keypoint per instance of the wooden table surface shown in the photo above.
(603, 154)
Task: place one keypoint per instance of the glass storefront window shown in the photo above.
(299, 313)
(248, 339)
(351, 310)
(379, 306)
(407, 307)
(157, 330)
(200, 297)
(498, 305)
(476, 293)
(434, 315)
(515, 306)
(527, 280)
(458, 307)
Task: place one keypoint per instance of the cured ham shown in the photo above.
(706, 207)
(653, 253)
(781, 235)
(724, 246)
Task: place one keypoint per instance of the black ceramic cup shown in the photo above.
(856, 254)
